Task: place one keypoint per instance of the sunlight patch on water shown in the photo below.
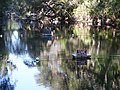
(24, 75)
(15, 36)
(15, 39)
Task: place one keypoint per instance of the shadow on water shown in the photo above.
(2, 49)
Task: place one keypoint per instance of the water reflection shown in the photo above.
(55, 69)
(5, 83)
(24, 75)
(13, 43)
(2, 48)
(18, 63)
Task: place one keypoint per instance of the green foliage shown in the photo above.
(107, 7)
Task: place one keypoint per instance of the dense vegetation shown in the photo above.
(102, 72)
(52, 12)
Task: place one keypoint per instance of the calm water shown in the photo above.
(36, 63)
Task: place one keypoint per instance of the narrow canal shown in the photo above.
(21, 66)
(36, 63)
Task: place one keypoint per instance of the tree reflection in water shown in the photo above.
(59, 72)
(6, 82)
(100, 73)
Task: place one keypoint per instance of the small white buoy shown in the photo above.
(1, 36)
(37, 58)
